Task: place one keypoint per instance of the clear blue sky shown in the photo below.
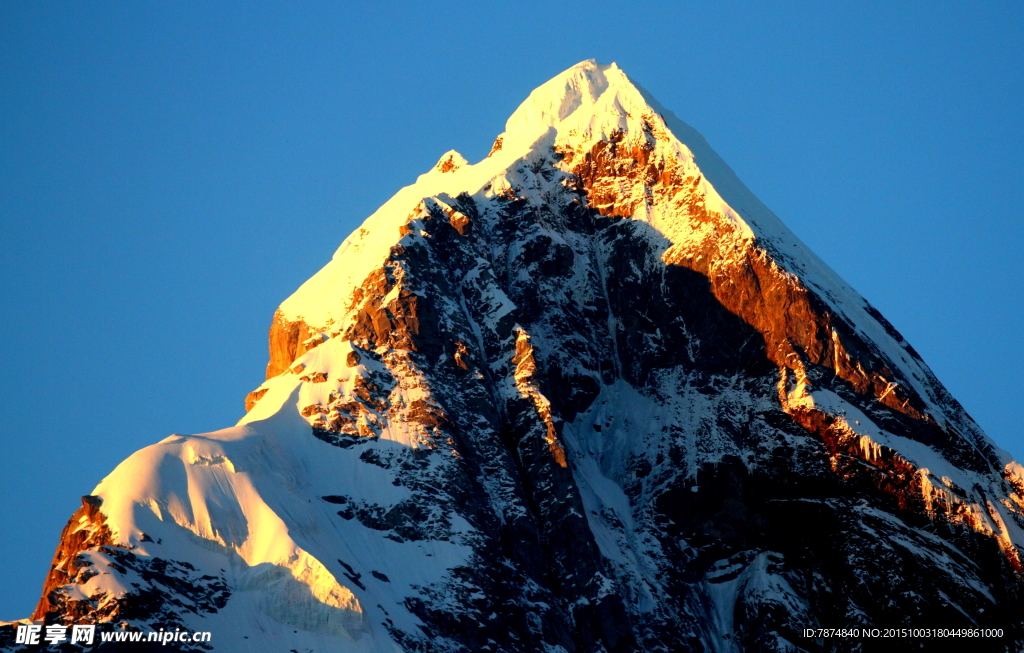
(171, 171)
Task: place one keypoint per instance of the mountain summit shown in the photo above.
(585, 395)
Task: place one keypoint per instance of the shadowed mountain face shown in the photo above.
(586, 395)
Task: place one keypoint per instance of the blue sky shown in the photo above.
(170, 172)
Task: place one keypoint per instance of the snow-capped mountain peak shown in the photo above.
(587, 96)
(586, 394)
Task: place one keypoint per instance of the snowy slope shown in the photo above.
(587, 394)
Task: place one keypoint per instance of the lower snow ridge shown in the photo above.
(236, 504)
(195, 483)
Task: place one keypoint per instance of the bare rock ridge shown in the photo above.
(587, 395)
(86, 530)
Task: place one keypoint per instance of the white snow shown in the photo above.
(584, 104)
(245, 501)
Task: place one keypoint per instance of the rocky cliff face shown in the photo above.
(585, 395)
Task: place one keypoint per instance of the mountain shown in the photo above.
(585, 395)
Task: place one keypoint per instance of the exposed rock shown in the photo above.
(450, 162)
(315, 377)
(288, 341)
(253, 397)
(605, 402)
(87, 529)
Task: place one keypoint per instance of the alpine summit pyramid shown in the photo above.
(585, 395)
